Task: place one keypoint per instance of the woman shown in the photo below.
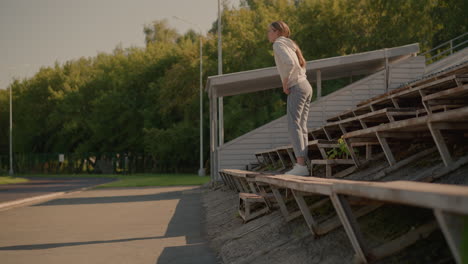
(291, 67)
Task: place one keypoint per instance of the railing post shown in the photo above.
(319, 84)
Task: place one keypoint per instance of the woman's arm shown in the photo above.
(285, 85)
(283, 56)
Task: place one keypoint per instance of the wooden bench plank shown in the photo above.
(289, 181)
(240, 173)
(453, 93)
(333, 162)
(319, 133)
(426, 83)
(412, 122)
(451, 198)
(417, 91)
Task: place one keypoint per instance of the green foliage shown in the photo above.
(146, 99)
(340, 152)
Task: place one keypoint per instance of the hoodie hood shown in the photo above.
(287, 61)
(286, 41)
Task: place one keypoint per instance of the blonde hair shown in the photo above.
(284, 31)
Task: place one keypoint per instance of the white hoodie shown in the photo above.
(287, 61)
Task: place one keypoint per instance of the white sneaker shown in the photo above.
(298, 170)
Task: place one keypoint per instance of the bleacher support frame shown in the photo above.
(448, 203)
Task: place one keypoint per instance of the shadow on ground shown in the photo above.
(187, 221)
(114, 199)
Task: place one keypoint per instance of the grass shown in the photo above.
(137, 180)
(11, 180)
(141, 180)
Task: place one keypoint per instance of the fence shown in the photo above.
(446, 49)
(87, 163)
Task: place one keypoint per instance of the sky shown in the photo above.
(36, 33)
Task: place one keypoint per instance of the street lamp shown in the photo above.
(201, 170)
(220, 72)
(11, 133)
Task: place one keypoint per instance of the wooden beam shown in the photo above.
(368, 151)
(291, 155)
(366, 139)
(342, 128)
(245, 185)
(230, 181)
(323, 153)
(452, 228)
(258, 159)
(310, 221)
(283, 162)
(390, 117)
(351, 152)
(332, 161)
(312, 185)
(456, 101)
(225, 180)
(252, 187)
(280, 201)
(350, 225)
(238, 184)
(440, 143)
(448, 92)
(328, 171)
(404, 241)
(335, 222)
(327, 134)
(267, 159)
(386, 148)
(395, 102)
(345, 172)
(450, 198)
(270, 154)
(363, 124)
(403, 135)
(457, 125)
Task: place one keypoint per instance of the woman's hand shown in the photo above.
(285, 86)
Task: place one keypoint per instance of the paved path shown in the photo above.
(121, 225)
(44, 186)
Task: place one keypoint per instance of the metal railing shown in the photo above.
(446, 49)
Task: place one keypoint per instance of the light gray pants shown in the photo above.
(298, 112)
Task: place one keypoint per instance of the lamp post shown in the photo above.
(201, 170)
(11, 132)
(220, 72)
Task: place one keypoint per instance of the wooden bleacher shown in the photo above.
(430, 110)
(447, 201)
(425, 127)
(442, 91)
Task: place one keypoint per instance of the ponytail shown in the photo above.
(301, 59)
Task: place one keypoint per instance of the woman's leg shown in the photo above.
(304, 133)
(304, 117)
(297, 101)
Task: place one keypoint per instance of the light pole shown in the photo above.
(201, 170)
(220, 72)
(11, 132)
